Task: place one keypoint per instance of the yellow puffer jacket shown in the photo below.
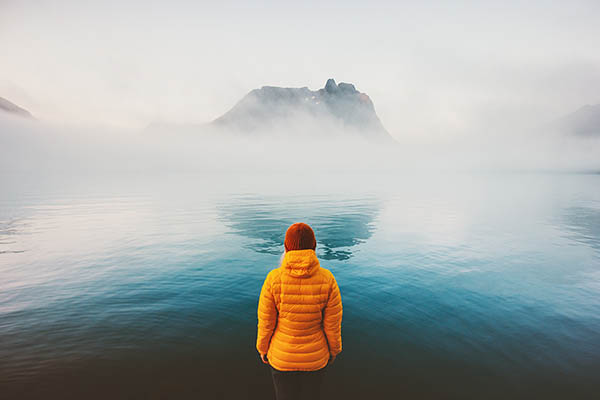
(299, 314)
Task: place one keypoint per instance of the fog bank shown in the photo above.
(41, 148)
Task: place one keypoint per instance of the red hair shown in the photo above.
(300, 236)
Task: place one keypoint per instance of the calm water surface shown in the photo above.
(484, 286)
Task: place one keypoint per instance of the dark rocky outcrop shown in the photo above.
(273, 108)
(13, 109)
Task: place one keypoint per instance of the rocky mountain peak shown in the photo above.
(273, 108)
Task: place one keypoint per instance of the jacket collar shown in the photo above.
(300, 263)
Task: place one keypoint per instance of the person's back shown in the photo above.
(299, 317)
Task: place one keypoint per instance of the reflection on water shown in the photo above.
(338, 225)
(470, 288)
(7, 231)
(583, 225)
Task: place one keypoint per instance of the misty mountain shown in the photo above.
(335, 107)
(11, 108)
(583, 122)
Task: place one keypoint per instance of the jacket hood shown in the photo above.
(300, 263)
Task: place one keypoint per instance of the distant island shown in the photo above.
(583, 122)
(338, 107)
(13, 109)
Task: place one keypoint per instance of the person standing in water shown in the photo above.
(299, 318)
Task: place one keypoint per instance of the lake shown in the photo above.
(462, 286)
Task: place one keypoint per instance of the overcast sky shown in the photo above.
(436, 69)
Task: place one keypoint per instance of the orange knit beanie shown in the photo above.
(300, 236)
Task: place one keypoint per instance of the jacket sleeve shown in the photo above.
(267, 316)
(332, 319)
